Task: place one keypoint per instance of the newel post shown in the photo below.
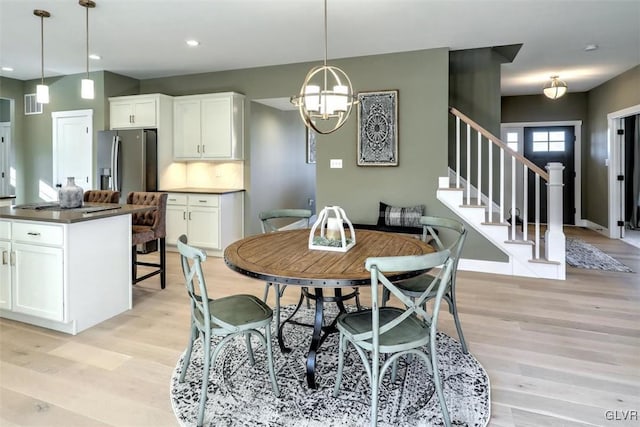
(554, 236)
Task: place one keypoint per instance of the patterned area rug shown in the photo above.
(240, 394)
(583, 255)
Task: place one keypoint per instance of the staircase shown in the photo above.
(476, 152)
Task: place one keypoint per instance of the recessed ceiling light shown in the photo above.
(590, 47)
(193, 43)
(94, 56)
(7, 69)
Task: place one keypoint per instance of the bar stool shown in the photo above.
(146, 227)
(101, 196)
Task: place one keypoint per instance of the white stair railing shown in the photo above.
(509, 190)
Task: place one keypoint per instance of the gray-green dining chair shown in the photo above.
(442, 233)
(276, 220)
(396, 332)
(224, 317)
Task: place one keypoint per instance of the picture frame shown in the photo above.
(311, 146)
(378, 128)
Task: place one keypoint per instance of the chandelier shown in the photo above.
(326, 96)
(555, 88)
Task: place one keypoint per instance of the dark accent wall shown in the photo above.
(592, 108)
(538, 108)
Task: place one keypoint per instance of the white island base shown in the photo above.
(65, 276)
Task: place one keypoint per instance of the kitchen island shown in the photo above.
(65, 269)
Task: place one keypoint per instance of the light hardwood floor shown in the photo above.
(558, 353)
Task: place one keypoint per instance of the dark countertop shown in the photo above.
(202, 190)
(7, 197)
(69, 216)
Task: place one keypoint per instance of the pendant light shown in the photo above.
(326, 96)
(86, 88)
(42, 90)
(555, 88)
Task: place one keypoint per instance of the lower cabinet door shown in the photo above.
(38, 281)
(176, 223)
(204, 227)
(5, 275)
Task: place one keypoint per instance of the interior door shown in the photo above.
(5, 143)
(72, 148)
(543, 145)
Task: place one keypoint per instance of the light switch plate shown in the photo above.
(335, 163)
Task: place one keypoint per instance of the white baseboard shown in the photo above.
(596, 227)
(482, 266)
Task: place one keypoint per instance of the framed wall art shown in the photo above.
(378, 128)
(311, 146)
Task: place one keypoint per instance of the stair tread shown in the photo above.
(544, 261)
(482, 206)
(520, 242)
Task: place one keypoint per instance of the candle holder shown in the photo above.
(328, 232)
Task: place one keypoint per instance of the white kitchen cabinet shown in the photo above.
(5, 265)
(33, 269)
(38, 291)
(5, 274)
(138, 111)
(197, 216)
(208, 127)
(56, 276)
(210, 221)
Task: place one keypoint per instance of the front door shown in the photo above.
(72, 148)
(543, 145)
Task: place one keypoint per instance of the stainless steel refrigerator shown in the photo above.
(127, 160)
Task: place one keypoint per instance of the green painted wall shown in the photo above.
(14, 89)
(420, 77)
(278, 147)
(64, 93)
(616, 94)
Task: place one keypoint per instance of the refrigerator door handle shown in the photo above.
(115, 166)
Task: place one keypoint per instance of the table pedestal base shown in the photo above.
(320, 331)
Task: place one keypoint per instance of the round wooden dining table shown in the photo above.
(284, 258)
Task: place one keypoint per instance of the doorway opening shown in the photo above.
(624, 174)
(544, 142)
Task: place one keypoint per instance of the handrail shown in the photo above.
(497, 141)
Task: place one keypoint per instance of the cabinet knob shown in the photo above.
(5, 257)
(33, 233)
(202, 148)
(12, 258)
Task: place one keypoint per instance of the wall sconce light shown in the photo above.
(42, 90)
(86, 88)
(326, 95)
(555, 88)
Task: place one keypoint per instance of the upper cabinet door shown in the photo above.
(216, 128)
(133, 112)
(186, 129)
(208, 127)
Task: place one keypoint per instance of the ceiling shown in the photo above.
(146, 38)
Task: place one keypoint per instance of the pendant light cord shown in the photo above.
(87, 10)
(42, 48)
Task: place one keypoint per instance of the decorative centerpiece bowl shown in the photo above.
(328, 232)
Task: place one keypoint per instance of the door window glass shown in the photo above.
(512, 140)
(548, 141)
